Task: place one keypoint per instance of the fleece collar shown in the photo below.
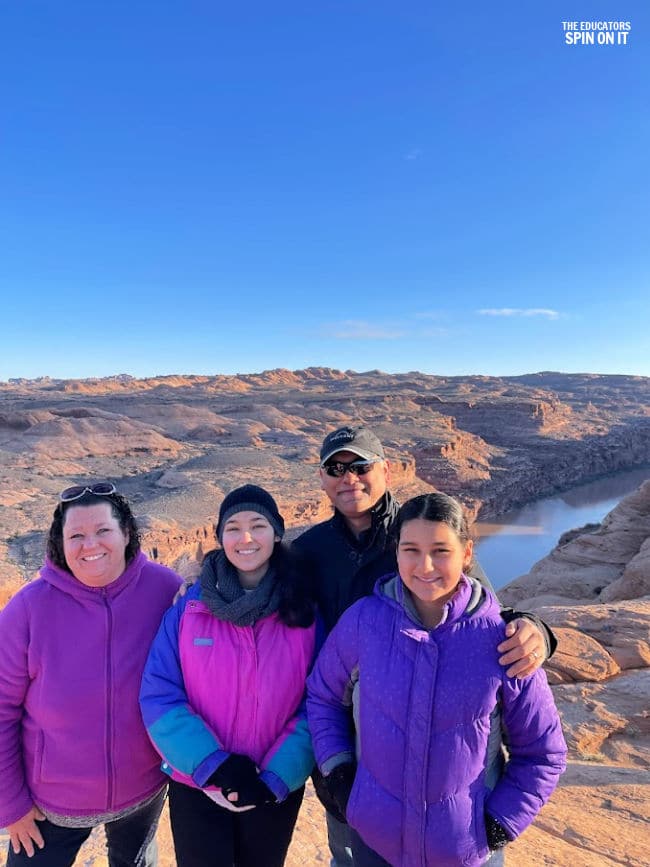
(66, 582)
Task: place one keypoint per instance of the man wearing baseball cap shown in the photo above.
(347, 553)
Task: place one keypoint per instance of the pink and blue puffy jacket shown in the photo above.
(428, 705)
(211, 688)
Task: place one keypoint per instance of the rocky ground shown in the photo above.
(594, 590)
(175, 445)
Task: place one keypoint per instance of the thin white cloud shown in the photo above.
(413, 154)
(519, 311)
(353, 329)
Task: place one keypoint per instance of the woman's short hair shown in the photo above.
(121, 511)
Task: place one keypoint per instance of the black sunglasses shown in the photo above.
(357, 468)
(76, 492)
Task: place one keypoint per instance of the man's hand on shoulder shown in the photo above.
(524, 649)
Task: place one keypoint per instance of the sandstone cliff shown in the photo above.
(594, 590)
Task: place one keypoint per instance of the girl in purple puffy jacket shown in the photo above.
(408, 709)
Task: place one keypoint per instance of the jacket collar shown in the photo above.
(382, 516)
(469, 597)
(65, 581)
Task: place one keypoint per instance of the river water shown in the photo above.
(510, 545)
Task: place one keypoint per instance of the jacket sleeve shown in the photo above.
(181, 737)
(536, 753)
(509, 614)
(15, 797)
(550, 640)
(290, 760)
(329, 693)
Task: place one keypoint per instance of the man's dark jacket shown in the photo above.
(344, 568)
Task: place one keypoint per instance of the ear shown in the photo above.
(322, 475)
(469, 551)
(387, 472)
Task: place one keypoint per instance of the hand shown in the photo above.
(325, 796)
(236, 773)
(524, 649)
(182, 590)
(496, 834)
(25, 832)
(339, 783)
(255, 794)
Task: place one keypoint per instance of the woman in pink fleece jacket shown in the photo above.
(73, 750)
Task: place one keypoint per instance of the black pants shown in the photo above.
(130, 841)
(207, 835)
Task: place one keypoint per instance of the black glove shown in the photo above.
(339, 784)
(235, 771)
(324, 796)
(497, 836)
(239, 774)
(255, 794)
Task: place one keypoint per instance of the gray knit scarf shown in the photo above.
(226, 598)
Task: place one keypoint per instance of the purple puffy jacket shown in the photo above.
(425, 704)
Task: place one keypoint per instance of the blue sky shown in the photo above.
(203, 187)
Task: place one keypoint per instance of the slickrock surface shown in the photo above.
(600, 815)
(176, 445)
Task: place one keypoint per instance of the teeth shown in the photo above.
(93, 557)
(247, 551)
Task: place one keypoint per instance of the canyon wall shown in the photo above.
(594, 590)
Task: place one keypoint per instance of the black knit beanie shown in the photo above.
(250, 498)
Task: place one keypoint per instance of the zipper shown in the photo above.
(422, 650)
(108, 734)
(256, 684)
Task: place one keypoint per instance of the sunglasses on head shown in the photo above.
(76, 492)
(357, 468)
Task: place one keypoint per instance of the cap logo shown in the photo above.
(343, 436)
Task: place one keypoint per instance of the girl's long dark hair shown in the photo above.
(297, 606)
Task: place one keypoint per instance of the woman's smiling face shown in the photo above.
(94, 544)
(248, 540)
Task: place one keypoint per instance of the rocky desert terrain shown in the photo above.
(176, 445)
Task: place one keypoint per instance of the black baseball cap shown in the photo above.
(358, 440)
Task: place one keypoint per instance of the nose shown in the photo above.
(427, 564)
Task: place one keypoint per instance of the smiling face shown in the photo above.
(248, 540)
(94, 544)
(354, 496)
(430, 560)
